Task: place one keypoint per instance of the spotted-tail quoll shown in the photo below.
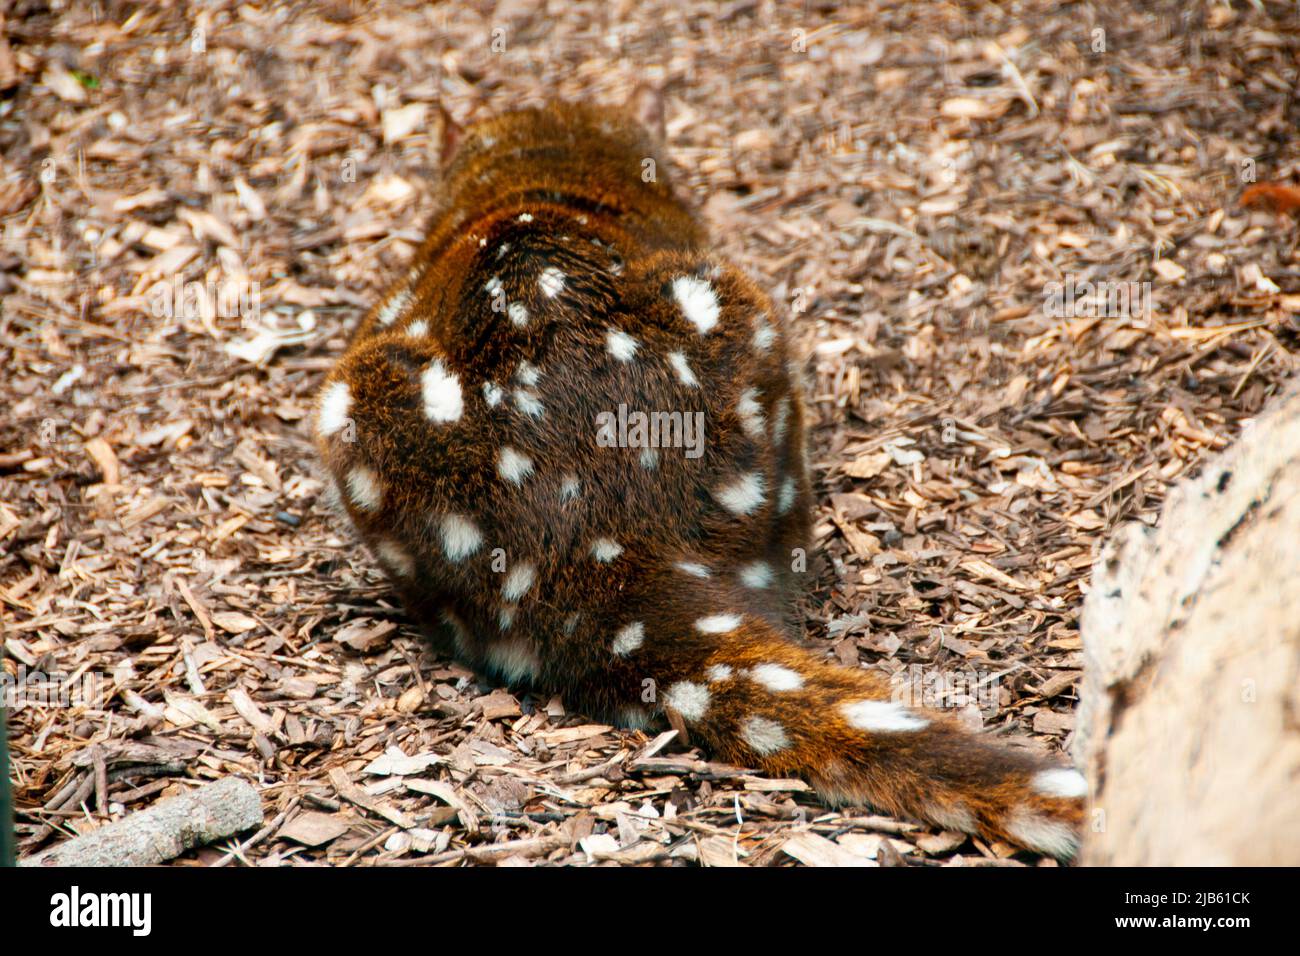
(484, 429)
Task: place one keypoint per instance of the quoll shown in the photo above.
(468, 430)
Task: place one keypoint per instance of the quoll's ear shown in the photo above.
(449, 136)
(646, 104)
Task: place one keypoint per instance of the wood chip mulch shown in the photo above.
(908, 179)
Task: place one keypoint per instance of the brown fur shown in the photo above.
(563, 188)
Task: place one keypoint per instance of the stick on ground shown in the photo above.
(165, 831)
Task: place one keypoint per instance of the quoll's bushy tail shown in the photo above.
(752, 697)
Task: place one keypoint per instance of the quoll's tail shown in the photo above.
(753, 698)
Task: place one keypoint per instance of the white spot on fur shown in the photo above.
(334, 409)
(1042, 833)
(742, 496)
(649, 458)
(460, 537)
(515, 659)
(492, 394)
(1060, 782)
(570, 488)
(620, 345)
(698, 302)
(776, 677)
(364, 488)
(551, 282)
(493, 285)
(881, 716)
(418, 329)
(517, 314)
(506, 617)
(525, 217)
(528, 403)
(756, 575)
(442, 398)
(688, 698)
(605, 549)
(683, 369)
(514, 466)
(693, 569)
(764, 736)
(785, 497)
(518, 581)
(395, 558)
(717, 623)
(717, 672)
(780, 420)
(764, 335)
(393, 307)
(751, 413)
(528, 373)
(628, 639)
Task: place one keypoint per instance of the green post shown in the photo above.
(7, 853)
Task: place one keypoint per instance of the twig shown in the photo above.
(240, 849)
(532, 846)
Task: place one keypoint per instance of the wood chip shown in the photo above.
(811, 849)
(234, 622)
(101, 453)
(314, 829)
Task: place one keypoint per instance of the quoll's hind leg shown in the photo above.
(404, 439)
(439, 622)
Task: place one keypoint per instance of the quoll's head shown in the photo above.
(612, 154)
(637, 125)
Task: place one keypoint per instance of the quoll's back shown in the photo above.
(574, 439)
